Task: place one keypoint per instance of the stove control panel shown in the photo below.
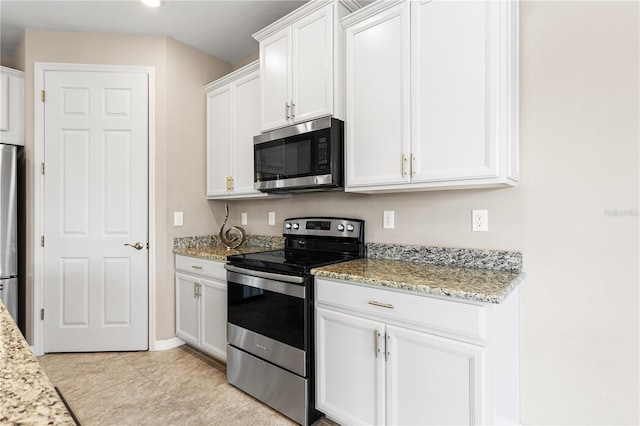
(324, 226)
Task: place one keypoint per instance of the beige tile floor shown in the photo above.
(180, 386)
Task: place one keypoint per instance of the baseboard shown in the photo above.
(163, 345)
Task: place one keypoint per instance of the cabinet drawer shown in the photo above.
(450, 317)
(208, 268)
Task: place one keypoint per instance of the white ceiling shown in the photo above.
(220, 28)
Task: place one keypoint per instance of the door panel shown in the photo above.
(275, 77)
(74, 295)
(350, 376)
(95, 202)
(432, 380)
(451, 120)
(247, 113)
(377, 131)
(312, 65)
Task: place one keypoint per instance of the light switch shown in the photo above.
(243, 218)
(272, 218)
(178, 218)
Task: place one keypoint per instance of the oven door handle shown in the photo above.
(267, 275)
(288, 289)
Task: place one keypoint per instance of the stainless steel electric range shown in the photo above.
(270, 331)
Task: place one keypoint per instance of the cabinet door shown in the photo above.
(11, 107)
(349, 370)
(218, 141)
(312, 65)
(246, 114)
(275, 80)
(453, 118)
(213, 324)
(432, 380)
(187, 309)
(377, 63)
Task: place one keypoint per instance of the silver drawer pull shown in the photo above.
(196, 267)
(382, 305)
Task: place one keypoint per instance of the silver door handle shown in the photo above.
(137, 246)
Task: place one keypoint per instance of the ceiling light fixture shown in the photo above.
(153, 3)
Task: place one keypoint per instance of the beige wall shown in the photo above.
(188, 71)
(9, 62)
(180, 72)
(246, 61)
(580, 160)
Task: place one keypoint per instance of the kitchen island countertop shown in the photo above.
(480, 285)
(26, 394)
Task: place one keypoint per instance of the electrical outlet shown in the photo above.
(479, 220)
(243, 218)
(178, 218)
(388, 219)
(272, 218)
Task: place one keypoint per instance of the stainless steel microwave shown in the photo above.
(304, 157)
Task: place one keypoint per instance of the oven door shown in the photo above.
(267, 316)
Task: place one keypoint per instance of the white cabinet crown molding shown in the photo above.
(239, 73)
(291, 18)
(369, 11)
(11, 71)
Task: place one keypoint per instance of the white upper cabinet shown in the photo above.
(378, 108)
(302, 66)
(232, 122)
(432, 95)
(11, 106)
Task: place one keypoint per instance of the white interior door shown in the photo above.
(95, 203)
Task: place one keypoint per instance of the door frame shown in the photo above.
(40, 68)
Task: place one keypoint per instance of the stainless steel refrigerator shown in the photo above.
(9, 228)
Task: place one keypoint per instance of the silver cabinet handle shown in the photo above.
(380, 304)
(286, 110)
(195, 290)
(137, 246)
(293, 111)
(196, 267)
(376, 339)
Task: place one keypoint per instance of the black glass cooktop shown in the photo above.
(287, 261)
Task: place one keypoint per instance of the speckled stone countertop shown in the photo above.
(208, 247)
(447, 274)
(26, 394)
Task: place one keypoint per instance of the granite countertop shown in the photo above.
(426, 273)
(216, 251)
(210, 248)
(26, 394)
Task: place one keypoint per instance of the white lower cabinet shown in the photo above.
(378, 363)
(201, 305)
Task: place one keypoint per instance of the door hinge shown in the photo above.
(42, 314)
(42, 241)
(42, 168)
(42, 95)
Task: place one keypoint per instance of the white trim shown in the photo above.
(163, 345)
(40, 68)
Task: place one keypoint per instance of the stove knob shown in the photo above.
(341, 228)
(287, 225)
(350, 228)
(296, 226)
